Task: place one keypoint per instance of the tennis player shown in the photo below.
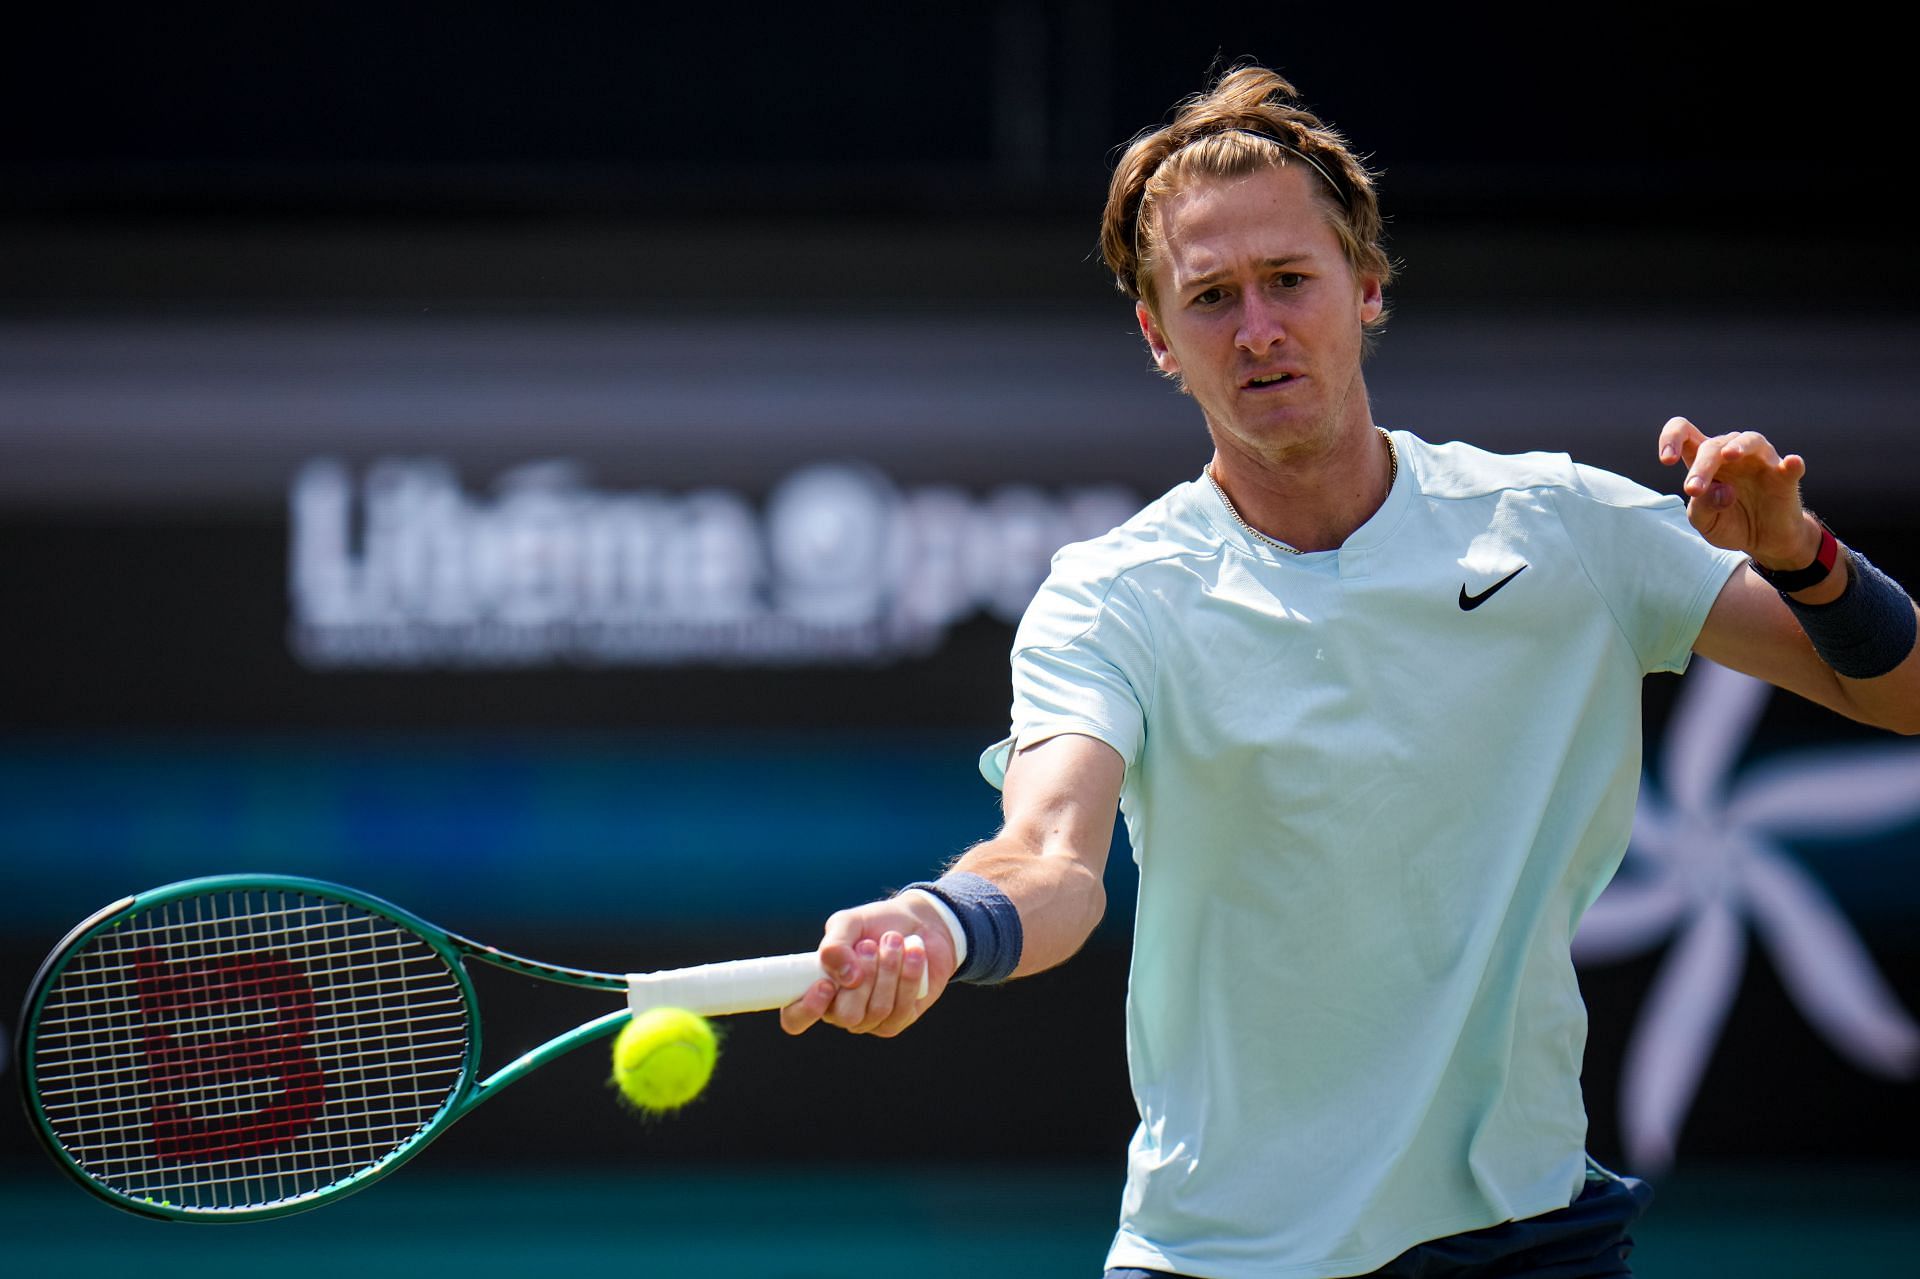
(1371, 709)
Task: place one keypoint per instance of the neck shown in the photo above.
(1310, 500)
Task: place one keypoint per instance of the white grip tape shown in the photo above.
(715, 990)
(737, 986)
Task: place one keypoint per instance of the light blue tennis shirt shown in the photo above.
(1371, 791)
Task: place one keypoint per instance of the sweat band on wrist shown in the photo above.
(1868, 630)
(989, 921)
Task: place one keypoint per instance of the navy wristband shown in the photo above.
(1868, 630)
(989, 920)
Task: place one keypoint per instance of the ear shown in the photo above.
(1372, 301)
(1156, 340)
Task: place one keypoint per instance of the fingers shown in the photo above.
(1716, 465)
(1700, 485)
(1741, 493)
(891, 1001)
(800, 1015)
(850, 1002)
(1678, 439)
(838, 957)
(1683, 442)
(845, 959)
(912, 991)
(886, 982)
(1739, 446)
(885, 1006)
(878, 968)
(893, 990)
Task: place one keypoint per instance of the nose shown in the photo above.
(1261, 324)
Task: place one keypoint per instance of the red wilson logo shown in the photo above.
(227, 1055)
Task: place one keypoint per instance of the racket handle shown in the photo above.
(715, 990)
(737, 986)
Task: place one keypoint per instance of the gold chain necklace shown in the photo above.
(1393, 473)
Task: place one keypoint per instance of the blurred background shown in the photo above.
(573, 470)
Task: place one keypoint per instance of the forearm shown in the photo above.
(1752, 629)
(1883, 690)
(1059, 897)
(1029, 896)
(1892, 701)
(1045, 866)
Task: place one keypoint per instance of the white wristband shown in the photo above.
(947, 917)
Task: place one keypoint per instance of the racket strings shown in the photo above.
(245, 1049)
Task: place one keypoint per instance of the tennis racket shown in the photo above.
(245, 1046)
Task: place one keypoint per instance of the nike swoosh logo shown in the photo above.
(1470, 602)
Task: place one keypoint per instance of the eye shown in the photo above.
(1290, 279)
(1207, 297)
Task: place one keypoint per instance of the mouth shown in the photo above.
(1266, 381)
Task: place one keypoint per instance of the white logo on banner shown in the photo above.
(839, 566)
(1706, 856)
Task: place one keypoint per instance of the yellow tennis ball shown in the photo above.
(663, 1058)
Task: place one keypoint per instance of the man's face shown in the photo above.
(1260, 314)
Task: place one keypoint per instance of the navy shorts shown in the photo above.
(1587, 1239)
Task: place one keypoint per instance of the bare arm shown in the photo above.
(1750, 630)
(1743, 495)
(1048, 858)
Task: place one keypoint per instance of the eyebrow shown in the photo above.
(1214, 277)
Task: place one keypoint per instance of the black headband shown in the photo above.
(1339, 192)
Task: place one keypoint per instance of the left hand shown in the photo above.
(1742, 495)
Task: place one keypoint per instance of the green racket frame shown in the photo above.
(467, 1092)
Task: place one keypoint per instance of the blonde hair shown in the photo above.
(1248, 121)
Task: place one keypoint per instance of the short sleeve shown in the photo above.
(1657, 575)
(1082, 663)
